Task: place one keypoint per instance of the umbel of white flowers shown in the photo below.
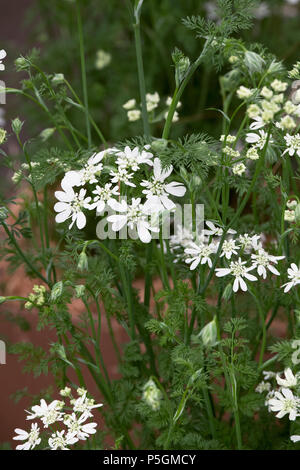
(99, 184)
(70, 426)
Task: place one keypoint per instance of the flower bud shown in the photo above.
(56, 291)
(152, 395)
(253, 62)
(3, 214)
(58, 78)
(80, 291)
(2, 135)
(16, 125)
(208, 334)
(83, 264)
(46, 133)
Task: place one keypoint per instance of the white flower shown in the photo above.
(286, 123)
(289, 381)
(215, 230)
(279, 86)
(293, 144)
(253, 111)
(121, 175)
(259, 140)
(83, 404)
(65, 392)
(294, 276)
(152, 101)
(231, 152)
(48, 414)
(169, 102)
(77, 427)
(284, 403)
(239, 271)
(269, 374)
(71, 205)
(103, 196)
(290, 107)
(88, 172)
(266, 92)
(103, 59)
(230, 139)
(157, 191)
(134, 115)
(132, 159)
(239, 169)
(292, 203)
(32, 438)
(263, 387)
(263, 261)
(58, 441)
(134, 216)
(249, 242)
(130, 104)
(199, 254)
(252, 153)
(2, 56)
(229, 248)
(295, 438)
(260, 121)
(289, 216)
(244, 92)
(278, 98)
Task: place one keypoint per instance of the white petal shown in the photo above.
(144, 234)
(176, 189)
(62, 206)
(80, 220)
(62, 216)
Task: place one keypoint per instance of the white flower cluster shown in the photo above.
(72, 426)
(290, 212)
(103, 59)
(105, 180)
(285, 399)
(201, 251)
(271, 105)
(134, 112)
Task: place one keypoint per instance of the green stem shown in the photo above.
(179, 90)
(140, 66)
(83, 73)
(24, 258)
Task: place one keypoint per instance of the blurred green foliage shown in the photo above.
(108, 27)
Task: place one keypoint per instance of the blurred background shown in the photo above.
(51, 28)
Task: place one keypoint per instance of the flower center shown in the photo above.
(237, 269)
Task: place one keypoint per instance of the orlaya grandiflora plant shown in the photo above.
(197, 305)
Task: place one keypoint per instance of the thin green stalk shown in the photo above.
(24, 258)
(179, 90)
(139, 58)
(128, 295)
(92, 121)
(165, 278)
(46, 231)
(83, 73)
